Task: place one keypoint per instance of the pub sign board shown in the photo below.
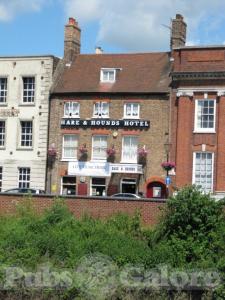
(98, 123)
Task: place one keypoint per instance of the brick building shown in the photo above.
(25, 83)
(109, 121)
(198, 115)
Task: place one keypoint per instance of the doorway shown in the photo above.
(128, 186)
(156, 190)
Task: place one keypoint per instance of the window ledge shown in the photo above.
(27, 104)
(203, 131)
(128, 162)
(71, 117)
(100, 117)
(3, 104)
(69, 159)
(98, 160)
(132, 118)
(25, 148)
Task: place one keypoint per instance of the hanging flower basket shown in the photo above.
(83, 153)
(168, 165)
(142, 152)
(51, 156)
(111, 152)
(83, 149)
(52, 152)
(142, 155)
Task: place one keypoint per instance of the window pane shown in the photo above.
(129, 151)
(2, 133)
(203, 171)
(3, 90)
(101, 109)
(28, 89)
(205, 114)
(99, 147)
(132, 110)
(71, 109)
(24, 178)
(70, 142)
(26, 133)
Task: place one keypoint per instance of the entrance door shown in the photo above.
(156, 189)
(128, 186)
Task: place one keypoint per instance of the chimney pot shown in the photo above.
(179, 17)
(72, 21)
(98, 50)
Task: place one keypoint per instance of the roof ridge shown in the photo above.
(135, 53)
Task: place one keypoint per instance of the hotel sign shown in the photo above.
(126, 168)
(98, 123)
(9, 112)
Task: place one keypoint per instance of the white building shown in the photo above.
(24, 105)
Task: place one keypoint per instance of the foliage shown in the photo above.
(189, 236)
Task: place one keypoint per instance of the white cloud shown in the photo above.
(10, 8)
(136, 25)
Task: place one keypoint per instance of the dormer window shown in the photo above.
(108, 75)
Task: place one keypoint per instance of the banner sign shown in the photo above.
(142, 124)
(104, 169)
(89, 168)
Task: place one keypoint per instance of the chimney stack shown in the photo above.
(178, 32)
(98, 50)
(71, 40)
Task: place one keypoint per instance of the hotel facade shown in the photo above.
(109, 122)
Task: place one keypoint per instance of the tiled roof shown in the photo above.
(137, 73)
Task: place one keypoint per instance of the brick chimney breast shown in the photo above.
(71, 40)
(178, 32)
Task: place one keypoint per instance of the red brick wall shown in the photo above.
(97, 207)
(184, 140)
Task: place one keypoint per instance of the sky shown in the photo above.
(36, 27)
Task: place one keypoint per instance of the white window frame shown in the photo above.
(3, 134)
(28, 134)
(3, 91)
(103, 149)
(194, 168)
(107, 70)
(70, 108)
(68, 184)
(1, 175)
(124, 159)
(125, 116)
(24, 183)
(26, 99)
(204, 130)
(70, 158)
(103, 185)
(99, 114)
